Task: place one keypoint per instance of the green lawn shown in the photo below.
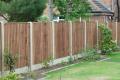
(105, 70)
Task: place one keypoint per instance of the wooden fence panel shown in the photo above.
(100, 19)
(42, 36)
(17, 41)
(78, 37)
(91, 31)
(62, 39)
(118, 34)
(112, 27)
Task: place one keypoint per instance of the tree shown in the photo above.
(3, 9)
(116, 9)
(7, 1)
(24, 10)
(73, 9)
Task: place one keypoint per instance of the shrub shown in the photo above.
(70, 60)
(43, 18)
(46, 62)
(63, 62)
(10, 76)
(91, 54)
(30, 76)
(107, 45)
(10, 60)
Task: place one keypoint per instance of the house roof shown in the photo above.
(99, 8)
(2, 19)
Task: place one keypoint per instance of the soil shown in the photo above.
(39, 74)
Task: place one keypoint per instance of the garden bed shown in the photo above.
(41, 73)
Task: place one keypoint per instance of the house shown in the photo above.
(116, 10)
(101, 10)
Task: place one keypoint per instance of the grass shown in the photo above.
(105, 70)
(114, 57)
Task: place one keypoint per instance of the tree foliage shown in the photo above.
(3, 7)
(7, 1)
(73, 9)
(23, 10)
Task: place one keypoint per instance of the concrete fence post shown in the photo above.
(97, 35)
(31, 46)
(85, 36)
(116, 33)
(80, 19)
(107, 24)
(2, 41)
(70, 38)
(53, 40)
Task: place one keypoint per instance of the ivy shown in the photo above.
(107, 45)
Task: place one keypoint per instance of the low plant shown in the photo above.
(10, 60)
(30, 76)
(107, 45)
(70, 59)
(46, 62)
(10, 76)
(63, 62)
(90, 54)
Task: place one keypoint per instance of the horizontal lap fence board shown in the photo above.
(42, 44)
(17, 41)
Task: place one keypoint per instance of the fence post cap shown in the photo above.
(1, 22)
(29, 22)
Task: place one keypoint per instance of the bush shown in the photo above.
(30, 76)
(10, 60)
(70, 59)
(63, 62)
(107, 45)
(43, 18)
(22, 10)
(91, 54)
(46, 62)
(10, 76)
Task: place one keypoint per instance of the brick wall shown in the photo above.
(107, 2)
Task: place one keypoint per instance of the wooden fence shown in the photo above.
(34, 42)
